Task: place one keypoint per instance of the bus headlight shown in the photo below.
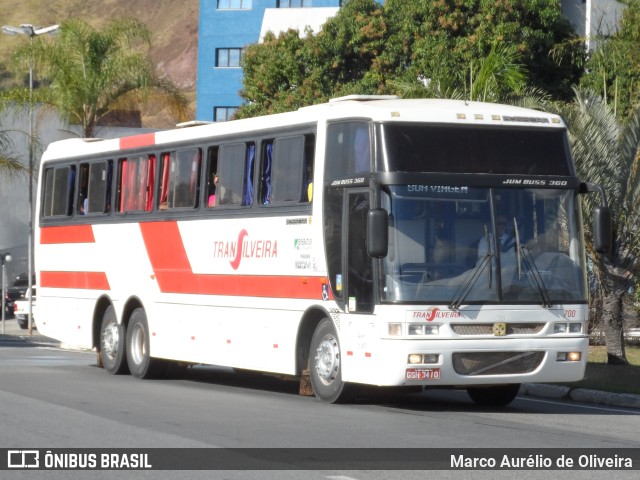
(423, 358)
(559, 328)
(568, 356)
(423, 329)
(575, 328)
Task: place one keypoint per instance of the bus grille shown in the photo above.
(487, 328)
(496, 363)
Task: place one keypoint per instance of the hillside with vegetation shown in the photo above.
(173, 25)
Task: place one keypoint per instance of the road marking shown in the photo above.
(340, 477)
(630, 410)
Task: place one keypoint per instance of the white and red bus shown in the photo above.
(345, 243)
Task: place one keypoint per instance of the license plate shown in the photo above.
(423, 374)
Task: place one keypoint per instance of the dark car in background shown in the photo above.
(15, 291)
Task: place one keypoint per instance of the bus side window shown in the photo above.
(288, 171)
(348, 149)
(212, 176)
(180, 179)
(59, 185)
(235, 186)
(94, 188)
(136, 183)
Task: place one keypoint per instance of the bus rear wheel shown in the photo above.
(324, 364)
(497, 396)
(141, 364)
(112, 343)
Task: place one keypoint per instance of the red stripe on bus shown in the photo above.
(81, 280)
(144, 140)
(70, 234)
(174, 273)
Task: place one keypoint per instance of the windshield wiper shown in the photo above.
(530, 264)
(473, 277)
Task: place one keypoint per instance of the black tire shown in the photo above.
(141, 364)
(498, 396)
(324, 365)
(112, 343)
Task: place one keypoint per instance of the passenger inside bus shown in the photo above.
(214, 185)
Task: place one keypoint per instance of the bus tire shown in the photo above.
(141, 364)
(497, 396)
(324, 364)
(112, 343)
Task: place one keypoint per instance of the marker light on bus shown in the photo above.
(423, 358)
(568, 356)
(395, 329)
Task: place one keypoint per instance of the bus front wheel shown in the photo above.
(324, 364)
(112, 343)
(141, 364)
(497, 396)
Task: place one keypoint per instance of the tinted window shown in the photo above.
(456, 149)
(58, 194)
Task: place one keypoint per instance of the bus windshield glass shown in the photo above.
(458, 149)
(442, 246)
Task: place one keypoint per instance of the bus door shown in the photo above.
(357, 263)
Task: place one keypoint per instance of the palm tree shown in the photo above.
(497, 77)
(10, 165)
(90, 73)
(607, 152)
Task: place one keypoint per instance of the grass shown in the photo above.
(611, 378)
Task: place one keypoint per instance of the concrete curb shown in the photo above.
(583, 395)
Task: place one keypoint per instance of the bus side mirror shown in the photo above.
(377, 233)
(602, 230)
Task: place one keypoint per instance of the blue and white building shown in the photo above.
(227, 27)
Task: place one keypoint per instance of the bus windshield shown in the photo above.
(442, 246)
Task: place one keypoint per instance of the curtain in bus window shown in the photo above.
(247, 194)
(150, 182)
(194, 181)
(72, 184)
(141, 196)
(164, 182)
(266, 189)
(107, 208)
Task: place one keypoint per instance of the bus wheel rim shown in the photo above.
(138, 344)
(110, 340)
(328, 359)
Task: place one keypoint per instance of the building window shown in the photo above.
(294, 3)
(234, 4)
(222, 114)
(228, 57)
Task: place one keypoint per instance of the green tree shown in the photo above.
(91, 73)
(482, 48)
(613, 69)
(606, 152)
(438, 40)
(287, 72)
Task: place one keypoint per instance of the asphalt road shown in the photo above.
(56, 398)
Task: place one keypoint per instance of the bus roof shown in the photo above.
(385, 108)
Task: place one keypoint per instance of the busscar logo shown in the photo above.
(23, 459)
